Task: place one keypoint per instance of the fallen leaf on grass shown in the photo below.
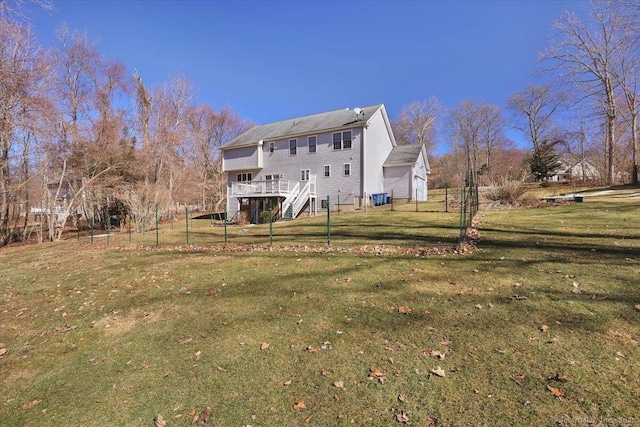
(299, 405)
(402, 398)
(205, 415)
(165, 374)
(434, 353)
(158, 421)
(555, 391)
(405, 310)
(31, 404)
(377, 374)
(478, 306)
(339, 384)
(543, 328)
(264, 346)
(402, 418)
(438, 371)
(184, 341)
(432, 422)
(308, 419)
(637, 307)
(192, 412)
(212, 291)
(558, 377)
(3, 351)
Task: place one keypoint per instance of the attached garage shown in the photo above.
(406, 172)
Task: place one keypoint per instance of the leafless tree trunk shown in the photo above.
(24, 70)
(417, 124)
(534, 109)
(588, 57)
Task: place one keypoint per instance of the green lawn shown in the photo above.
(537, 327)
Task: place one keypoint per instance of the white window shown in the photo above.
(293, 147)
(342, 140)
(327, 171)
(337, 141)
(312, 144)
(347, 169)
(304, 175)
(346, 140)
(244, 177)
(272, 147)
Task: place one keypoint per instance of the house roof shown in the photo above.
(403, 155)
(302, 125)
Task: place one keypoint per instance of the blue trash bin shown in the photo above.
(377, 199)
(385, 198)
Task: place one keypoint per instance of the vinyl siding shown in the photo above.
(377, 147)
(240, 159)
(397, 180)
(280, 162)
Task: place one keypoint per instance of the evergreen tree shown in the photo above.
(544, 162)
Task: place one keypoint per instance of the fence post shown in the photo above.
(462, 204)
(129, 228)
(108, 227)
(446, 198)
(270, 223)
(91, 230)
(225, 224)
(157, 236)
(328, 222)
(186, 220)
(416, 199)
(392, 209)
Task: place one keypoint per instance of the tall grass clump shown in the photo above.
(507, 192)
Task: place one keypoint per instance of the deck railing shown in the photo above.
(276, 186)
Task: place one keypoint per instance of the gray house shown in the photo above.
(294, 165)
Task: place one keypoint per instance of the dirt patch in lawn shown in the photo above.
(121, 323)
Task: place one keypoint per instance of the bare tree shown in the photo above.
(465, 127)
(24, 72)
(626, 15)
(533, 110)
(417, 123)
(586, 56)
(208, 131)
(492, 138)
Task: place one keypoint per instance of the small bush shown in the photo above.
(508, 192)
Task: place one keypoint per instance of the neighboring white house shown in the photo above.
(576, 170)
(294, 165)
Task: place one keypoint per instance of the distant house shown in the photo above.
(323, 161)
(582, 170)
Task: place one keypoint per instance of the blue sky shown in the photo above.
(273, 61)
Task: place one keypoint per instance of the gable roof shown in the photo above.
(303, 125)
(402, 155)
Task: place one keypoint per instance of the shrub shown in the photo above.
(508, 192)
